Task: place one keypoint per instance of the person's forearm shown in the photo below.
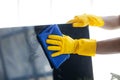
(111, 22)
(109, 46)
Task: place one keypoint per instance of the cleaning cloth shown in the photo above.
(55, 62)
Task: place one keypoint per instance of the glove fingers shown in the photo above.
(56, 37)
(54, 48)
(71, 21)
(53, 42)
(56, 54)
(79, 24)
(79, 21)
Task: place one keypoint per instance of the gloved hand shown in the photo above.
(67, 45)
(87, 19)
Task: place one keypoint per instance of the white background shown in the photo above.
(15, 13)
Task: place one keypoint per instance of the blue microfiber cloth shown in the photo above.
(55, 62)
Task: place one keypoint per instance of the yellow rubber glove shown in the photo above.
(87, 19)
(67, 45)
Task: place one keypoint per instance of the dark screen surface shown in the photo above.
(76, 67)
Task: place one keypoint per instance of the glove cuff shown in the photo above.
(85, 47)
(95, 21)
